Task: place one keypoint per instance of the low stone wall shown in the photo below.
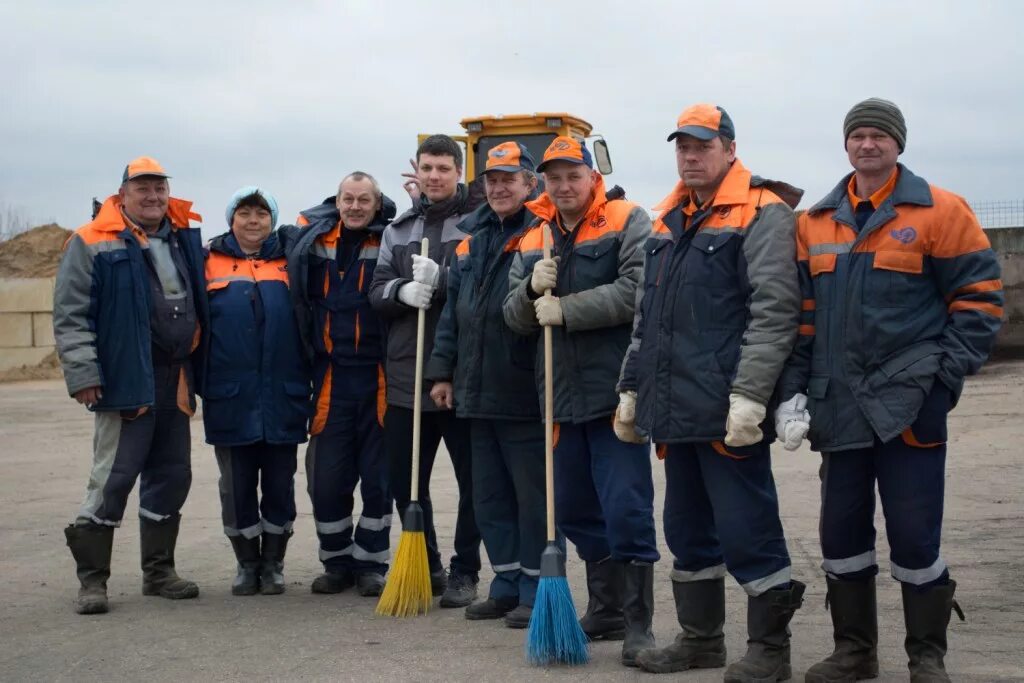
(26, 329)
(1009, 244)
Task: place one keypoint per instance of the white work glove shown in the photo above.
(625, 419)
(548, 310)
(416, 294)
(545, 275)
(743, 426)
(792, 421)
(424, 270)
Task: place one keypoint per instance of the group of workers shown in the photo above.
(727, 324)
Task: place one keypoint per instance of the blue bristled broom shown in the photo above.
(554, 636)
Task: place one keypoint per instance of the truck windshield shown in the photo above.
(536, 143)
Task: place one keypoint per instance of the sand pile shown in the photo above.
(34, 253)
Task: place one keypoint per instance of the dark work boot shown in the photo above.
(370, 584)
(247, 552)
(157, 541)
(767, 657)
(91, 545)
(637, 610)
(438, 582)
(460, 591)
(700, 608)
(603, 619)
(927, 617)
(332, 581)
(490, 609)
(855, 631)
(272, 562)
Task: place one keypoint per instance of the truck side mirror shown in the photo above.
(602, 157)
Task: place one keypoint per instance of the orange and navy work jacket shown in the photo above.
(101, 307)
(331, 270)
(256, 381)
(719, 308)
(894, 313)
(599, 268)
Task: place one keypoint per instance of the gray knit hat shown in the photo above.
(880, 114)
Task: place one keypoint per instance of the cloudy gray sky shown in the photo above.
(291, 95)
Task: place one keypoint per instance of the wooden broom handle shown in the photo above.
(549, 407)
(417, 396)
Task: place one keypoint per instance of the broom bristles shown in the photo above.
(407, 591)
(555, 635)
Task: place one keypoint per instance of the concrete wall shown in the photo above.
(1009, 244)
(26, 322)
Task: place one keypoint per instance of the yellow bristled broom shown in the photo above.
(407, 591)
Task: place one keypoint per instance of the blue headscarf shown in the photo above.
(244, 192)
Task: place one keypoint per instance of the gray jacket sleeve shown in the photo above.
(770, 250)
(612, 304)
(73, 327)
(627, 375)
(518, 306)
(386, 281)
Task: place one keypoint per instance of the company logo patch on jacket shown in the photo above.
(599, 222)
(904, 235)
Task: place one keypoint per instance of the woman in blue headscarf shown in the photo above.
(256, 389)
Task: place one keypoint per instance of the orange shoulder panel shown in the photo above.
(463, 247)
(533, 239)
(954, 230)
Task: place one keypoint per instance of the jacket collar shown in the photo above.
(544, 207)
(910, 189)
(325, 216)
(109, 218)
(734, 189)
(272, 247)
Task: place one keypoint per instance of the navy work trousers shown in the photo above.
(604, 493)
(722, 514)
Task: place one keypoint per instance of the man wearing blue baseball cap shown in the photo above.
(604, 493)
(714, 326)
(485, 372)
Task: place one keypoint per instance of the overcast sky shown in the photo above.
(292, 95)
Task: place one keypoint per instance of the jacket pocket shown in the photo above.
(823, 414)
(896, 279)
(929, 427)
(300, 397)
(595, 264)
(221, 391)
(822, 263)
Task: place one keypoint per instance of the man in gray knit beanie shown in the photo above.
(880, 114)
(902, 299)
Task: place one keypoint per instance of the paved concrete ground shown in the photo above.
(45, 444)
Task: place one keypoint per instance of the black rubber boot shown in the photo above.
(637, 610)
(855, 630)
(247, 552)
(438, 582)
(603, 619)
(272, 564)
(927, 617)
(91, 546)
(767, 656)
(157, 541)
(700, 608)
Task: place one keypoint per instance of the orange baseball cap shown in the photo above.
(704, 122)
(143, 166)
(509, 156)
(565, 148)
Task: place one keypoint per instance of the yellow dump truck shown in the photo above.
(535, 131)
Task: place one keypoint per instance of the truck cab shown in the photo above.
(535, 131)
